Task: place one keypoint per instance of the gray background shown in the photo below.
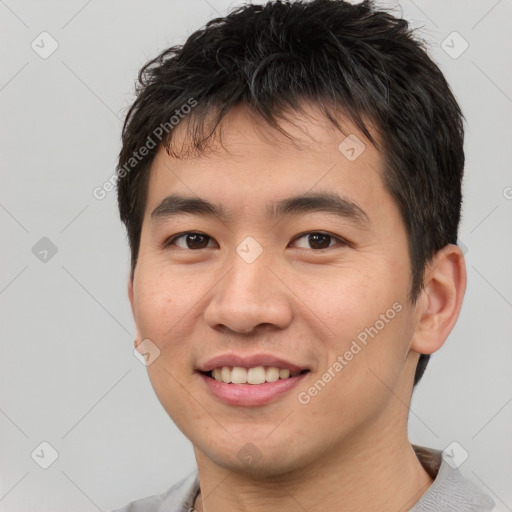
(67, 372)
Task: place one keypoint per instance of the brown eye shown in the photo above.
(317, 240)
(192, 241)
(196, 241)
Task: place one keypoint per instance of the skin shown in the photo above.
(347, 449)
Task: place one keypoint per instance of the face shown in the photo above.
(301, 264)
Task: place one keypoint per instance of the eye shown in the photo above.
(191, 240)
(319, 240)
(315, 239)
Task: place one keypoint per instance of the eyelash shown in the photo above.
(342, 242)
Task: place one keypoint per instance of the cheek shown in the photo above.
(367, 318)
(361, 367)
(352, 299)
(166, 305)
(158, 303)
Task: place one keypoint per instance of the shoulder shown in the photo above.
(450, 491)
(178, 498)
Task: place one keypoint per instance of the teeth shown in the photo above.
(225, 375)
(284, 374)
(238, 375)
(272, 374)
(257, 375)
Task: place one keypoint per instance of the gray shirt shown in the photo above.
(450, 491)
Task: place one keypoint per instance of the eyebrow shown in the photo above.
(329, 202)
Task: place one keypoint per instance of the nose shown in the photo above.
(248, 297)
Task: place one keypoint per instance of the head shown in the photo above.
(258, 107)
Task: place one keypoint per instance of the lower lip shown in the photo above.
(251, 395)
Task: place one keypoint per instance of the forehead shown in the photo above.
(248, 162)
(307, 131)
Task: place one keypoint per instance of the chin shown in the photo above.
(256, 459)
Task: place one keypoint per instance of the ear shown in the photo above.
(132, 305)
(440, 301)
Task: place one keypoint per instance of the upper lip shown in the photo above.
(249, 361)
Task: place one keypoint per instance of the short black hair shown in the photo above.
(275, 58)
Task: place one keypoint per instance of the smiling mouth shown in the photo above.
(255, 376)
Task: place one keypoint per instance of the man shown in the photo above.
(290, 180)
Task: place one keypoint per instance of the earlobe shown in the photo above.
(441, 300)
